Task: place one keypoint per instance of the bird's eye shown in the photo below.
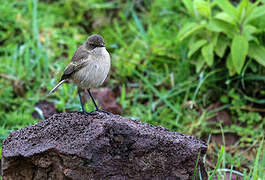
(91, 44)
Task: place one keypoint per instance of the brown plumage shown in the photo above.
(89, 66)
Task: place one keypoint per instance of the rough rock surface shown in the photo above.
(100, 146)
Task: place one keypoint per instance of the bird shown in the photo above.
(88, 68)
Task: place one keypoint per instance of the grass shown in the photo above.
(157, 82)
(255, 172)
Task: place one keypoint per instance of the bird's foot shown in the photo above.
(106, 112)
(95, 112)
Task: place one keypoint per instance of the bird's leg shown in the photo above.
(97, 109)
(81, 102)
(93, 100)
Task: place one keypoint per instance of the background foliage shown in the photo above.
(179, 64)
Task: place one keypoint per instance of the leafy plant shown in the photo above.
(245, 121)
(218, 27)
(157, 84)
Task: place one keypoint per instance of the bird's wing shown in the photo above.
(80, 53)
(73, 67)
(78, 61)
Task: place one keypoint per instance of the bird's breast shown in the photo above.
(94, 73)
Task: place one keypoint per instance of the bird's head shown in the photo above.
(94, 41)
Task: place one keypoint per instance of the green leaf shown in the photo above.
(239, 51)
(243, 5)
(251, 8)
(257, 52)
(189, 6)
(195, 47)
(230, 65)
(199, 64)
(257, 12)
(207, 53)
(203, 7)
(248, 31)
(221, 46)
(188, 29)
(225, 17)
(227, 7)
(242, 9)
(214, 38)
(217, 25)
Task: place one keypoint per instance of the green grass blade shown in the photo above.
(196, 165)
(219, 160)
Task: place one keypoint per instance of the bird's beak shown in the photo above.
(102, 45)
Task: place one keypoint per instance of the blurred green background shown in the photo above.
(194, 66)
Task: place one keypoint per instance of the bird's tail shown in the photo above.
(56, 87)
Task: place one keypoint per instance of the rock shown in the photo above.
(100, 146)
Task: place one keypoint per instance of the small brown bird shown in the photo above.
(88, 68)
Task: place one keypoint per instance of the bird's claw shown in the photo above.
(95, 112)
(106, 112)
